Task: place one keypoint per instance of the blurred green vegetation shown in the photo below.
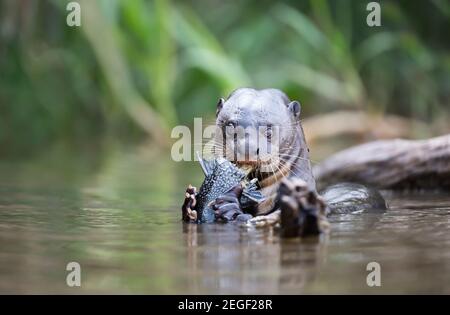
(138, 67)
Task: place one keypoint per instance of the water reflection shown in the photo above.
(120, 218)
(229, 258)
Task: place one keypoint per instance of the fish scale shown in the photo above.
(220, 177)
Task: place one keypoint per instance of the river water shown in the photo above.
(117, 213)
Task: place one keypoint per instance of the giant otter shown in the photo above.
(261, 131)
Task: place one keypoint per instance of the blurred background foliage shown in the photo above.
(136, 68)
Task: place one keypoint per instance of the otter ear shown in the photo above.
(295, 108)
(219, 106)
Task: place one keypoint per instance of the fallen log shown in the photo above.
(362, 124)
(391, 164)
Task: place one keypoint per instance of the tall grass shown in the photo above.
(137, 67)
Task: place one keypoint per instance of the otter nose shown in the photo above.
(247, 149)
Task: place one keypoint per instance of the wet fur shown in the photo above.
(252, 108)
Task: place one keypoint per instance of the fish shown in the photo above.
(221, 176)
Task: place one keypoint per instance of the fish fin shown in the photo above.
(254, 195)
(251, 192)
(206, 166)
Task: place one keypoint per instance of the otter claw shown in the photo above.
(265, 220)
(192, 214)
(227, 207)
(227, 211)
(187, 209)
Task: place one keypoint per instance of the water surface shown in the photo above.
(117, 213)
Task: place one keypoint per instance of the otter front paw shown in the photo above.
(187, 209)
(303, 211)
(227, 207)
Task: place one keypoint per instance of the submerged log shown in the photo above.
(391, 164)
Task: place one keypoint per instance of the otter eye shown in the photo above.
(229, 126)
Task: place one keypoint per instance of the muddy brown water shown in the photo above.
(117, 214)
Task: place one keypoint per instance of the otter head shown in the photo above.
(256, 126)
